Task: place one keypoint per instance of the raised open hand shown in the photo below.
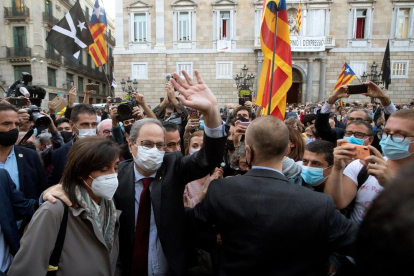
(196, 95)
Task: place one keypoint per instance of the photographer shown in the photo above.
(170, 105)
(22, 164)
(332, 135)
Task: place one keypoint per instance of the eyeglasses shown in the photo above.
(395, 137)
(359, 135)
(107, 132)
(173, 145)
(150, 144)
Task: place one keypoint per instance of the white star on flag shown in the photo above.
(97, 11)
(347, 70)
(81, 25)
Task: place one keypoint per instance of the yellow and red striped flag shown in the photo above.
(299, 19)
(98, 25)
(282, 79)
(345, 77)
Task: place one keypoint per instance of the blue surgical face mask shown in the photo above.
(230, 110)
(309, 140)
(395, 151)
(355, 141)
(313, 176)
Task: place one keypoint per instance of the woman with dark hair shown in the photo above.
(297, 145)
(91, 241)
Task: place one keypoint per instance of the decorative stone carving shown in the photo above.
(296, 76)
(292, 21)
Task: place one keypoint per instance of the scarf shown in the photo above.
(105, 218)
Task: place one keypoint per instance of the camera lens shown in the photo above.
(124, 111)
(40, 121)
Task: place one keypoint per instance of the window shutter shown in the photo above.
(175, 26)
(368, 22)
(15, 39)
(232, 25)
(218, 24)
(132, 27)
(410, 31)
(354, 24)
(190, 25)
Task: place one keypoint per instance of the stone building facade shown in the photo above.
(23, 48)
(157, 37)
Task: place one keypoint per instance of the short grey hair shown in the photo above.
(136, 127)
(44, 138)
(237, 154)
(367, 112)
(102, 122)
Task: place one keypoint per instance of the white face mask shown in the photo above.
(104, 186)
(149, 160)
(87, 132)
(192, 151)
(309, 140)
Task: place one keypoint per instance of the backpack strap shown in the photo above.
(57, 251)
(362, 176)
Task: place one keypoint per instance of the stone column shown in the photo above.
(259, 68)
(119, 23)
(159, 24)
(322, 78)
(309, 80)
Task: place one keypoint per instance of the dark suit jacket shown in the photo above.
(167, 200)
(32, 176)
(271, 227)
(59, 159)
(13, 207)
(325, 131)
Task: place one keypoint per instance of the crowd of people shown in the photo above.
(188, 188)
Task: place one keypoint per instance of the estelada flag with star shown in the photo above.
(98, 26)
(345, 77)
(70, 35)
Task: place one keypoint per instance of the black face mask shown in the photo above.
(128, 129)
(66, 135)
(230, 145)
(242, 172)
(9, 138)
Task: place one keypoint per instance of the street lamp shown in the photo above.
(244, 81)
(131, 87)
(374, 76)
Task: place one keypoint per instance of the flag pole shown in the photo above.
(107, 50)
(273, 63)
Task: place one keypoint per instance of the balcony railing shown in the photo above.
(329, 41)
(94, 73)
(19, 52)
(51, 54)
(50, 19)
(16, 12)
(110, 38)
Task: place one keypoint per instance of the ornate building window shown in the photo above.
(224, 24)
(139, 25)
(184, 24)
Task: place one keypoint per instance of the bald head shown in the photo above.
(269, 138)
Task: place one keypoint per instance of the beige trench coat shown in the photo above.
(84, 250)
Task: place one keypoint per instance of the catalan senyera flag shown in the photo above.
(346, 76)
(282, 79)
(98, 25)
(299, 19)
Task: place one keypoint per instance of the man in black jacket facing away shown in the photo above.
(269, 226)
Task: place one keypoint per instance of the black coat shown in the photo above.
(59, 159)
(32, 175)
(167, 201)
(271, 227)
(13, 207)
